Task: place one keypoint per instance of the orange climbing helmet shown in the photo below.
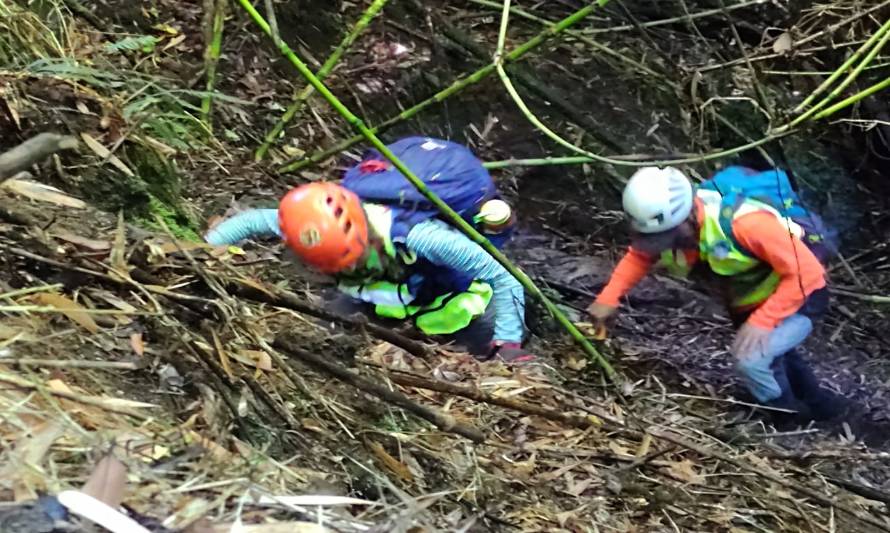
(325, 225)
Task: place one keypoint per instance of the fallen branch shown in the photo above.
(788, 484)
(865, 491)
(441, 420)
(74, 363)
(472, 393)
(107, 404)
(33, 151)
(289, 300)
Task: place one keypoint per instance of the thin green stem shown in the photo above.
(449, 213)
(536, 162)
(212, 59)
(853, 99)
(580, 36)
(456, 87)
(847, 81)
(590, 156)
(843, 68)
(300, 98)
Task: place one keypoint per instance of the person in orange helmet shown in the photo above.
(388, 248)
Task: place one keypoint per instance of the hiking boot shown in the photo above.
(801, 411)
(823, 404)
(826, 405)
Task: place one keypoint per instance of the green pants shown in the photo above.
(446, 314)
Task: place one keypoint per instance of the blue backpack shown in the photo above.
(772, 187)
(448, 169)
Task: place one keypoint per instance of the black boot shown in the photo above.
(823, 403)
(802, 412)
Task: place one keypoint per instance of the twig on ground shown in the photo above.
(441, 420)
(472, 393)
(775, 478)
(74, 363)
(289, 300)
(108, 404)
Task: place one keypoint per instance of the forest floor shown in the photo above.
(204, 389)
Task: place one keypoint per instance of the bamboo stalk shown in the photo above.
(853, 99)
(537, 162)
(843, 68)
(449, 213)
(329, 64)
(211, 60)
(873, 298)
(884, 35)
(584, 39)
(456, 87)
(590, 156)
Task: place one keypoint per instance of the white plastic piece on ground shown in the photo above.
(96, 511)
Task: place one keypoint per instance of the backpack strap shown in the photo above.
(728, 207)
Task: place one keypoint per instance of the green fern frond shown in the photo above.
(145, 43)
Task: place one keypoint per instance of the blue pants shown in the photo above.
(759, 373)
(765, 376)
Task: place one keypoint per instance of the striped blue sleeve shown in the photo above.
(443, 245)
(245, 225)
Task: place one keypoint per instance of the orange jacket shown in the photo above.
(763, 235)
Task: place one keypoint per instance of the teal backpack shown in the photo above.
(772, 187)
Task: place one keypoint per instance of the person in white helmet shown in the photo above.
(773, 283)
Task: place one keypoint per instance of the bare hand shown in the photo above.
(750, 342)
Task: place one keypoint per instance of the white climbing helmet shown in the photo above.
(657, 199)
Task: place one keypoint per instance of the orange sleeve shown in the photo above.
(800, 271)
(628, 272)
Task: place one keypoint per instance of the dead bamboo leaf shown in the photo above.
(71, 309)
(256, 285)
(137, 344)
(685, 471)
(620, 450)
(23, 471)
(208, 444)
(391, 463)
(105, 154)
(176, 41)
(172, 247)
(255, 358)
(107, 481)
(83, 242)
(645, 444)
(223, 356)
(43, 193)
(118, 251)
